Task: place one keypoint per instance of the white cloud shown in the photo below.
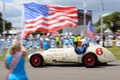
(13, 10)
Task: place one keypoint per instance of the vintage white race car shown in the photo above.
(94, 55)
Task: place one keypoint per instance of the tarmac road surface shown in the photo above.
(76, 72)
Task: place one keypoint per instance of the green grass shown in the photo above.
(3, 57)
(114, 50)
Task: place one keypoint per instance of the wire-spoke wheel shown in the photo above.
(90, 59)
(36, 60)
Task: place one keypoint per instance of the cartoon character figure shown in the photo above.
(0, 47)
(52, 43)
(65, 42)
(46, 44)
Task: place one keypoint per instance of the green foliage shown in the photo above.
(114, 18)
(97, 23)
(4, 53)
(115, 51)
(0, 15)
(112, 21)
(8, 25)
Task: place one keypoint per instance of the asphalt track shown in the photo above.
(108, 72)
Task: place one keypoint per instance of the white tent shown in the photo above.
(12, 32)
(108, 31)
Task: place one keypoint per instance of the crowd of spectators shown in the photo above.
(49, 41)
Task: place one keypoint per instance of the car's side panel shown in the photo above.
(69, 56)
(102, 53)
(101, 57)
(57, 56)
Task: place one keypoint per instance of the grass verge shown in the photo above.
(115, 51)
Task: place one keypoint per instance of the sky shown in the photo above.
(14, 10)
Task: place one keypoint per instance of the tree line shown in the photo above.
(112, 21)
(8, 25)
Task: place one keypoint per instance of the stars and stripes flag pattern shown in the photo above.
(54, 33)
(48, 18)
(90, 31)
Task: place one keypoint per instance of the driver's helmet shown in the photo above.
(84, 41)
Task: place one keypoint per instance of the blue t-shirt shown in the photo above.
(25, 42)
(37, 42)
(30, 43)
(52, 43)
(46, 44)
(9, 42)
(19, 72)
(65, 42)
(71, 41)
(0, 43)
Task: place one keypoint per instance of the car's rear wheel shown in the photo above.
(90, 59)
(36, 60)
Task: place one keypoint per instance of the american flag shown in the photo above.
(90, 31)
(54, 33)
(48, 18)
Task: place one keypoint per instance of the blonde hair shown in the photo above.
(14, 46)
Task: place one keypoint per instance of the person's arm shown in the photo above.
(84, 48)
(6, 66)
(77, 50)
(24, 51)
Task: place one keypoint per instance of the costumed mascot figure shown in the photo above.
(52, 42)
(46, 43)
(9, 41)
(66, 42)
(37, 42)
(1, 47)
(25, 42)
(71, 41)
(31, 43)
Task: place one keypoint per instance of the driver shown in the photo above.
(83, 44)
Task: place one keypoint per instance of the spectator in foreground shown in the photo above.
(15, 62)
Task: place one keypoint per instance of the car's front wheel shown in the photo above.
(36, 60)
(90, 59)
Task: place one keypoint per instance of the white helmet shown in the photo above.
(38, 36)
(84, 41)
(9, 37)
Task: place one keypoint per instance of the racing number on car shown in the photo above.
(99, 51)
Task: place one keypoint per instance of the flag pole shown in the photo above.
(84, 6)
(3, 24)
(101, 18)
(22, 23)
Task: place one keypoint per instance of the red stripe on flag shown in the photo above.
(90, 31)
(44, 29)
(42, 21)
(59, 17)
(54, 33)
